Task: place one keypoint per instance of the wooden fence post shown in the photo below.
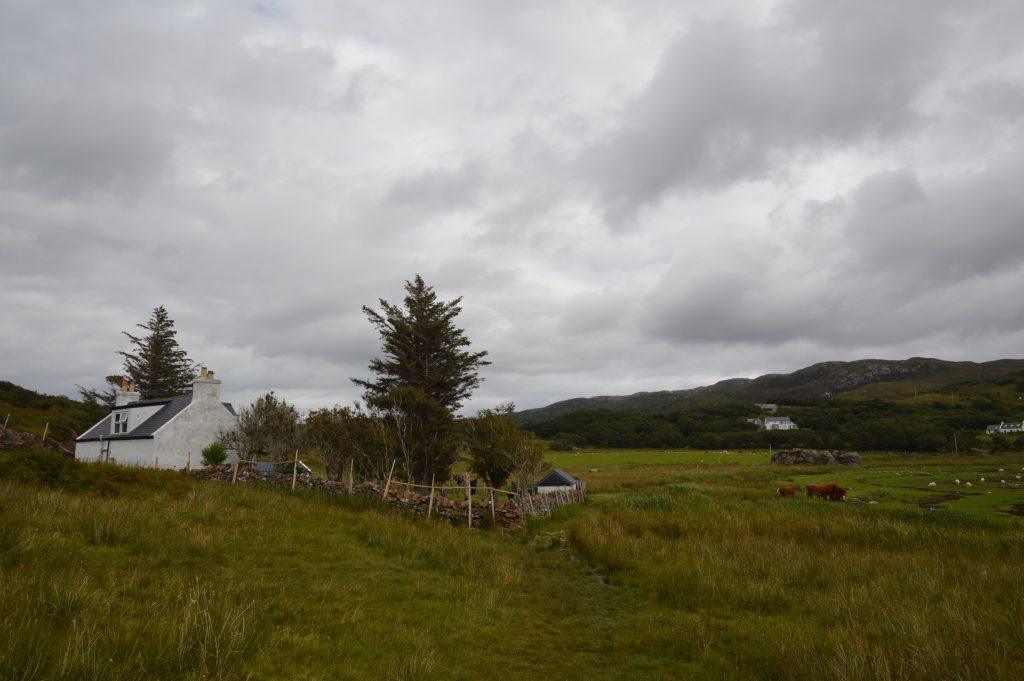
(5, 422)
(388, 485)
(469, 502)
(45, 431)
(188, 463)
(351, 474)
(295, 469)
(234, 473)
(156, 462)
(430, 506)
(494, 520)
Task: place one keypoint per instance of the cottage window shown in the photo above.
(120, 422)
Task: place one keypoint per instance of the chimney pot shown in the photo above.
(124, 384)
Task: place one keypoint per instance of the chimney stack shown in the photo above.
(205, 388)
(126, 395)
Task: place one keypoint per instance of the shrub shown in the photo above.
(214, 455)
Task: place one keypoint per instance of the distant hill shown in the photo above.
(865, 378)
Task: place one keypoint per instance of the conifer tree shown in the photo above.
(425, 374)
(158, 367)
(423, 348)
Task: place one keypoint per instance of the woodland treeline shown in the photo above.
(868, 425)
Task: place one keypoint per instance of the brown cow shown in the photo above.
(787, 491)
(834, 492)
(829, 490)
(815, 490)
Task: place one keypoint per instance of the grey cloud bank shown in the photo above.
(628, 196)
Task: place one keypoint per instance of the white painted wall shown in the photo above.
(87, 451)
(555, 488)
(196, 427)
(124, 452)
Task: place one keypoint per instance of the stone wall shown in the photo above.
(506, 514)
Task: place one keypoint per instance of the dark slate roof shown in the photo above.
(556, 478)
(229, 408)
(172, 407)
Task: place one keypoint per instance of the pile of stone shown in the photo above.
(17, 439)
(816, 457)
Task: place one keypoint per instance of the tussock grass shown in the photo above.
(708, 576)
(856, 593)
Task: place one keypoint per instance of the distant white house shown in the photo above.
(766, 406)
(1003, 427)
(778, 423)
(558, 481)
(166, 432)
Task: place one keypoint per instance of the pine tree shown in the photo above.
(426, 374)
(423, 348)
(158, 367)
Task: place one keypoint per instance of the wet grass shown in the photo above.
(680, 569)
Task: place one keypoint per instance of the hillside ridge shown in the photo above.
(823, 379)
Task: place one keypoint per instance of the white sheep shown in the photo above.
(957, 481)
(968, 484)
(1000, 470)
(931, 484)
(982, 480)
(1003, 482)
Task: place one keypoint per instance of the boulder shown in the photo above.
(816, 457)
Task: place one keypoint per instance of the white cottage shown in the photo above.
(165, 432)
(778, 423)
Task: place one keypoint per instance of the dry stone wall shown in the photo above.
(505, 514)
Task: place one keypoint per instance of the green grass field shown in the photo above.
(685, 565)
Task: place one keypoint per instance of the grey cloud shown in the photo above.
(906, 258)
(953, 229)
(729, 102)
(67, 148)
(439, 189)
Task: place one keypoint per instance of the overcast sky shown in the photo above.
(635, 195)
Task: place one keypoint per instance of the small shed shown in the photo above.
(557, 481)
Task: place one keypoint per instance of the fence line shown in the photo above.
(542, 503)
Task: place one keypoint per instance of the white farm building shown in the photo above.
(167, 432)
(778, 423)
(558, 481)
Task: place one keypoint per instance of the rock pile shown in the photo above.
(819, 457)
(16, 439)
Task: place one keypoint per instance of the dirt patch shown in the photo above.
(932, 501)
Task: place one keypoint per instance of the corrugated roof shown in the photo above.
(556, 477)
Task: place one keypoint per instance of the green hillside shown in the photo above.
(30, 411)
(918, 378)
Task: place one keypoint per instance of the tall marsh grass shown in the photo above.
(849, 592)
(707, 576)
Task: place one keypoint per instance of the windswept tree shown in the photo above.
(102, 398)
(269, 428)
(158, 366)
(427, 371)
